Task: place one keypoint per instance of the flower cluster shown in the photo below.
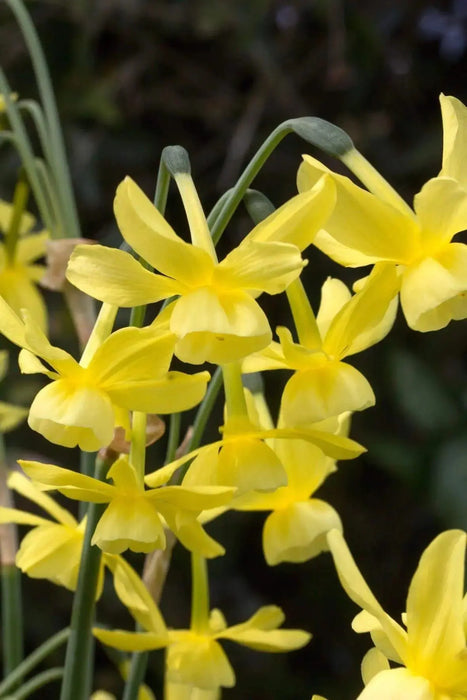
(212, 314)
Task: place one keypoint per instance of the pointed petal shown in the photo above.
(20, 292)
(11, 416)
(130, 641)
(115, 277)
(194, 498)
(31, 247)
(366, 228)
(20, 517)
(454, 115)
(149, 234)
(189, 531)
(71, 484)
(441, 207)
(435, 607)
(258, 266)
(11, 326)
(30, 364)
(298, 220)
(367, 317)
(334, 295)
(357, 589)
(19, 483)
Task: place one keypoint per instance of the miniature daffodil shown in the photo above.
(431, 648)
(367, 228)
(216, 317)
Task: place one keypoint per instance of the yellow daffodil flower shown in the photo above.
(322, 385)
(244, 460)
(52, 549)
(87, 400)
(19, 273)
(216, 317)
(195, 658)
(10, 416)
(367, 228)
(296, 529)
(432, 648)
(133, 518)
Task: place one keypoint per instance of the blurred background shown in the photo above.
(217, 78)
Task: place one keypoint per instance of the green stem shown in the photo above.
(199, 594)
(59, 163)
(138, 444)
(33, 109)
(33, 660)
(26, 153)
(174, 437)
(303, 316)
(76, 679)
(20, 200)
(246, 178)
(53, 674)
(234, 392)
(136, 675)
(12, 609)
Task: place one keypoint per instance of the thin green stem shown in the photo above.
(136, 675)
(26, 153)
(304, 318)
(246, 178)
(234, 392)
(32, 108)
(33, 660)
(59, 162)
(174, 437)
(138, 444)
(12, 609)
(76, 679)
(199, 594)
(50, 192)
(52, 674)
(20, 200)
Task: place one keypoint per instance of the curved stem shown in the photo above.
(246, 178)
(174, 437)
(31, 661)
(52, 674)
(59, 162)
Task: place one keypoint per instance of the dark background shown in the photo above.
(133, 77)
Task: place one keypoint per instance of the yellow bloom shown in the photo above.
(19, 273)
(216, 317)
(10, 416)
(86, 400)
(133, 518)
(296, 529)
(365, 229)
(322, 385)
(52, 549)
(244, 460)
(195, 658)
(432, 648)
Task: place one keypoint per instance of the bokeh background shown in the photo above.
(217, 77)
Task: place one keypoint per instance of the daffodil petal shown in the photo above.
(195, 498)
(398, 683)
(24, 486)
(433, 292)
(334, 295)
(31, 247)
(69, 417)
(11, 416)
(435, 605)
(298, 220)
(441, 207)
(367, 229)
(357, 589)
(130, 641)
(149, 234)
(373, 663)
(191, 534)
(173, 393)
(198, 661)
(20, 292)
(260, 266)
(115, 277)
(129, 523)
(20, 517)
(298, 533)
(454, 115)
(70, 483)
